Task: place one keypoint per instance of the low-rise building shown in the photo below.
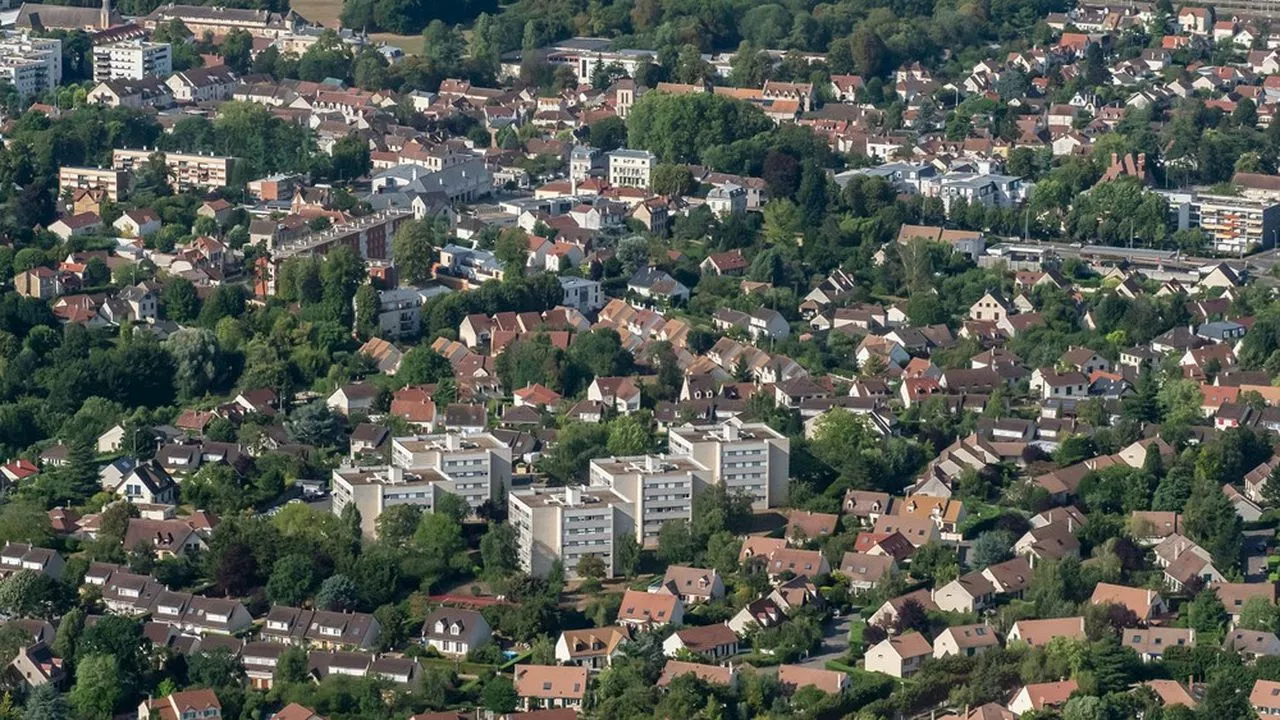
(455, 632)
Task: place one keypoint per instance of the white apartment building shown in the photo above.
(187, 171)
(131, 60)
(567, 524)
(474, 467)
(744, 457)
(31, 65)
(581, 294)
(1234, 224)
(657, 488)
(373, 490)
(114, 182)
(399, 312)
(631, 168)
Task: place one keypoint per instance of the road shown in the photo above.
(835, 643)
(1258, 263)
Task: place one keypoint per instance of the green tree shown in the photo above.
(626, 555)
(98, 688)
(1207, 616)
(423, 365)
(337, 592)
(293, 577)
(28, 593)
(671, 179)
(367, 303)
(500, 695)
(46, 703)
(675, 542)
(237, 47)
(414, 249)
(498, 551)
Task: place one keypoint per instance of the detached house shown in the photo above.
(645, 610)
(592, 648)
(899, 656)
(692, 585)
(548, 686)
(455, 632)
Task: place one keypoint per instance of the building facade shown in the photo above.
(131, 60)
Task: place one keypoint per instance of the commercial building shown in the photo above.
(131, 60)
(1234, 224)
(113, 182)
(631, 168)
(751, 458)
(31, 65)
(475, 467)
(187, 171)
(656, 488)
(566, 524)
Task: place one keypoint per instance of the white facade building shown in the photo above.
(566, 524)
(631, 168)
(131, 60)
(476, 467)
(657, 488)
(752, 458)
(32, 65)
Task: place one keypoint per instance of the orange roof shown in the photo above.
(1051, 694)
(645, 607)
(551, 682)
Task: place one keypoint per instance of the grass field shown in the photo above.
(326, 13)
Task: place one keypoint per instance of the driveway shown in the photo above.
(835, 643)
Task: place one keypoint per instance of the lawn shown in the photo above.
(326, 12)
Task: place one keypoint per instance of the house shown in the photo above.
(725, 263)
(321, 629)
(1235, 595)
(620, 393)
(164, 539)
(965, 640)
(794, 677)
(353, 398)
(714, 642)
(67, 227)
(592, 648)
(692, 585)
(1150, 643)
(888, 612)
(644, 610)
(1143, 603)
(35, 665)
(1265, 698)
(710, 674)
(548, 686)
(536, 396)
(185, 705)
(146, 484)
(991, 308)
(1041, 696)
(804, 525)
(455, 632)
(898, 656)
(865, 570)
(1252, 644)
(968, 593)
(650, 283)
(1038, 633)
(1172, 692)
